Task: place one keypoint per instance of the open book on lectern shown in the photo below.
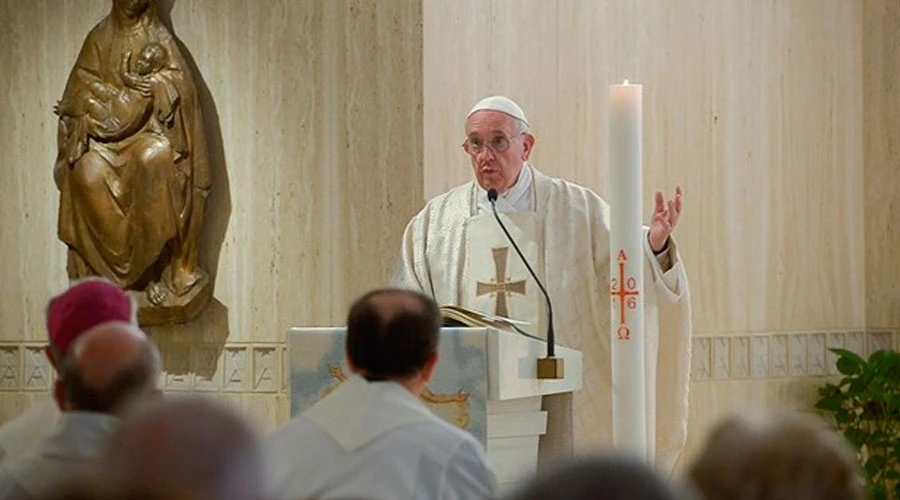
(458, 316)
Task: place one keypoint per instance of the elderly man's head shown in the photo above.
(775, 456)
(106, 368)
(82, 306)
(393, 335)
(499, 142)
(190, 446)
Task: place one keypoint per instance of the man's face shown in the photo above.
(487, 132)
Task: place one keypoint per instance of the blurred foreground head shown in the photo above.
(776, 456)
(606, 477)
(188, 447)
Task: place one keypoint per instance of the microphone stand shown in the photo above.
(549, 367)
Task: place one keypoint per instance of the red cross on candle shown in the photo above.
(625, 289)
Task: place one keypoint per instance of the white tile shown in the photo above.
(880, 341)
(740, 357)
(759, 357)
(721, 362)
(798, 354)
(700, 358)
(837, 340)
(266, 376)
(778, 356)
(236, 368)
(178, 368)
(816, 351)
(10, 368)
(37, 369)
(856, 342)
(205, 367)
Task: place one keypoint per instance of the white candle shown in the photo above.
(626, 271)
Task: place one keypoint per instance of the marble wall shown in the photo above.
(881, 119)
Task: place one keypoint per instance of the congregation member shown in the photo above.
(85, 304)
(107, 370)
(372, 437)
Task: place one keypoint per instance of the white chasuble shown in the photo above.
(495, 280)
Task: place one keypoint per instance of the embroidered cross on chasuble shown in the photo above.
(495, 281)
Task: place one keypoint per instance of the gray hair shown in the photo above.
(521, 127)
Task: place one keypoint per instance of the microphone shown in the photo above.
(549, 367)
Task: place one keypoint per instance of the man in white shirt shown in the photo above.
(106, 370)
(372, 437)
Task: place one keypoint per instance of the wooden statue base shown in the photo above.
(174, 309)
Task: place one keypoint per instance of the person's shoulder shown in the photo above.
(29, 428)
(448, 435)
(454, 194)
(295, 427)
(102, 28)
(452, 445)
(559, 187)
(454, 200)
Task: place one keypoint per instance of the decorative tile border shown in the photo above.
(263, 367)
(232, 368)
(781, 354)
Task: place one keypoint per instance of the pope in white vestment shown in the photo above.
(454, 251)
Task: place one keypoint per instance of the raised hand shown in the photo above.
(665, 218)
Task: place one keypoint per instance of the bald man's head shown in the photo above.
(392, 334)
(106, 367)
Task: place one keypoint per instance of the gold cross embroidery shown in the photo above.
(501, 284)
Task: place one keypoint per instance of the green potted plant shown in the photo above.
(865, 407)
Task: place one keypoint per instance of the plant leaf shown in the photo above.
(891, 474)
(850, 365)
(877, 462)
(831, 403)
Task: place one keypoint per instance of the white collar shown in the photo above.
(517, 199)
(357, 412)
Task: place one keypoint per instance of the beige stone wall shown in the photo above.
(881, 118)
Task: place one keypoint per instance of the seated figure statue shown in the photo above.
(132, 165)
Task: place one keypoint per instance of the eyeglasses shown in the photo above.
(497, 144)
